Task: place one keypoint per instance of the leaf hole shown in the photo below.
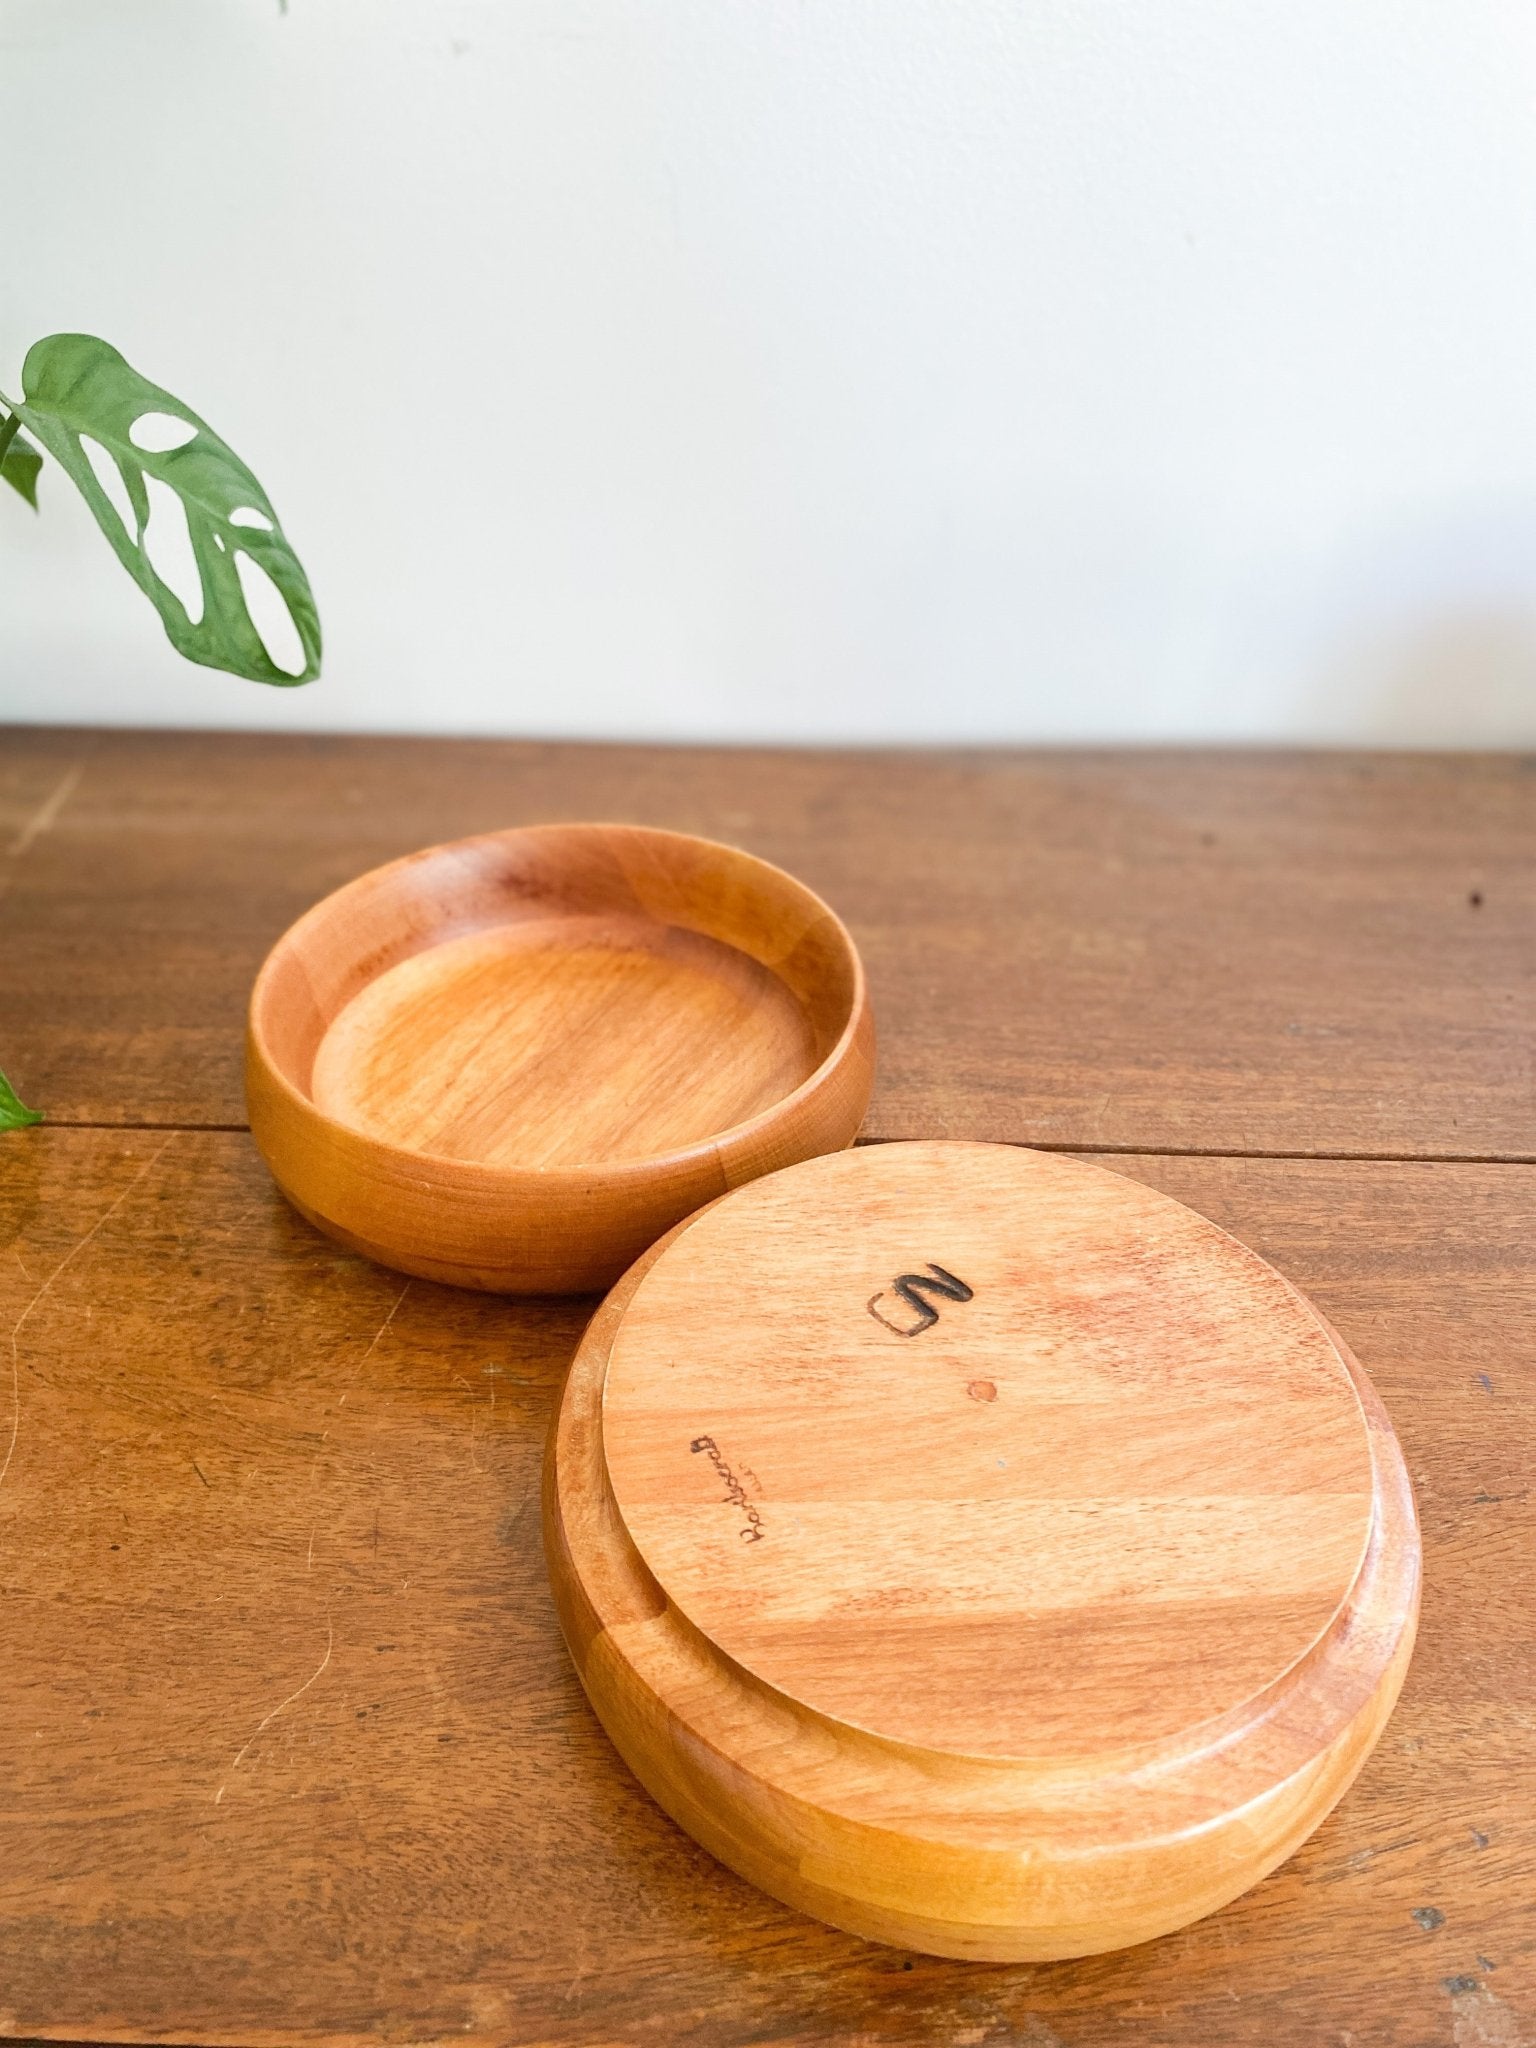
(247, 515)
(106, 472)
(168, 544)
(270, 616)
(157, 433)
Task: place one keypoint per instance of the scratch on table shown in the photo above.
(351, 1382)
(46, 815)
(68, 1259)
(573, 1989)
(474, 1456)
(357, 1815)
(1479, 2019)
(267, 1719)
(377, 1336)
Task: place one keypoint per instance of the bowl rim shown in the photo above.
(576, 1175)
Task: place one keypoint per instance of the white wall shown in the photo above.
(884, 369)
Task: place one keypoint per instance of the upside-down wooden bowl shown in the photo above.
(978, 1549)
(514, 1061)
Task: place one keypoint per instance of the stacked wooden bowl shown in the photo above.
(979, 1550)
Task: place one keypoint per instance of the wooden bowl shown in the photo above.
(514, 1061)
(979, 1550)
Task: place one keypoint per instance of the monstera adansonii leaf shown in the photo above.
(14, 1113)
(125, 442)
(20, 463)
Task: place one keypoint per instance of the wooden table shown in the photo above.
(290, 1750)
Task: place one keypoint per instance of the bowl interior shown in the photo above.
(559, 996)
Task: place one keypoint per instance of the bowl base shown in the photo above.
(564, 1041)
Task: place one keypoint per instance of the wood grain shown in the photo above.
(1211, 951)
(448, 1052)
(269, 1529)
(513, 1061)
(1032, 1626)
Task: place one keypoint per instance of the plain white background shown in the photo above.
(882, 370)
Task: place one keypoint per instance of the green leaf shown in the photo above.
(19, 466)
(14, 1113)
(74, 386)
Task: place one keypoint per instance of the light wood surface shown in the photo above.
(1029, 1632)
(363, 1880)
(1179, 951)
(564, 1042)
(513, 1061)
